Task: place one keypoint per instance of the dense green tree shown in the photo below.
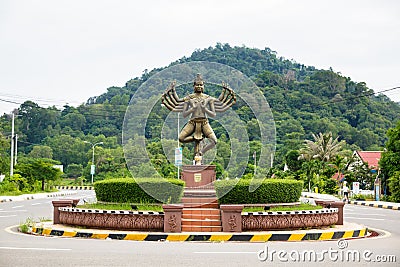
(35, 120)
(74, 170)
(4, 155)
(38, 169)
(41, 152)
(293, 160)
(390, 160)
(67, 149)
(394, 185)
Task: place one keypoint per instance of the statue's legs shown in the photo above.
(197, 147)
(209, 133)
(185, 135)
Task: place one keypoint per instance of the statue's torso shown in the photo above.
(198, 100)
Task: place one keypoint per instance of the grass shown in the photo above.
(284, 208)
(122, 206)
(26, 227)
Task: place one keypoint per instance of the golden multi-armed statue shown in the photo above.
(199, 106)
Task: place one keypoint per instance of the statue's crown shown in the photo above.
(198, 79)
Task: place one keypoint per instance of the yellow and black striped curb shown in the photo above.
(70, 187)
(374, 205)
(214, 237)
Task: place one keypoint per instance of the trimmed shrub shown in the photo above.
(268, 191)
(144, 190)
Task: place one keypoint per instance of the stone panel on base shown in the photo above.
(198, 175)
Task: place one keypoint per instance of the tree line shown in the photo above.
(304, 101)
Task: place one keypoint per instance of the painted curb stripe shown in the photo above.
(348, 234)
(58, 233)
(391, 207)
(337, 235)
(85, 235)
(261, 238)
(136, 237)
(176, 237)
(296, 237)
(199, 238)
(363, 232)
(99, 236)
(117, 236)
(242, 238)
(46, 231)
(356, 233)
(75, 187)
(280, 237)
(69, 234)
(311, 236)
(326, 236)
(155, 237)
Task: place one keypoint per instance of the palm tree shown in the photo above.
(324, 147)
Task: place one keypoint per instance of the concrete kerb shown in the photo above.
(74, 187)
(376, 204)
(347, 231)
(36, 196)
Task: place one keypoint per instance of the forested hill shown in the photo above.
(304, 100)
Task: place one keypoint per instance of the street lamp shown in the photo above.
(92, 166)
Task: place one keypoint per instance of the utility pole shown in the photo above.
(16, 149)
(92, 167)
(12, 145)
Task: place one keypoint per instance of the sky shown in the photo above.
(63, 52)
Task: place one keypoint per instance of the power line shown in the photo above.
(109, 114)
(8, 101)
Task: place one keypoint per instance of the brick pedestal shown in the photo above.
(231, 218)
(172, 218)
(58, 204)
(333, 204)
(198, 175)
(339, 205)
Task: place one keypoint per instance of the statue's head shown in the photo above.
(198, 84)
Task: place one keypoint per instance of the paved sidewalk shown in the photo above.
(346, 231)
(36, 196)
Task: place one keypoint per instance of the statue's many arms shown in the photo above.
(199, 107)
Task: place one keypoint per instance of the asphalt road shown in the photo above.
(27, 250)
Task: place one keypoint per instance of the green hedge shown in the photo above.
(268, 191)
(144, 190)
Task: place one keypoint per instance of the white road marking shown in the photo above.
(224, 252)
(5, 216)
(375, 219)
(34, 204)
(13, 210)
(17, 207)
(365, 214)
(41, 249)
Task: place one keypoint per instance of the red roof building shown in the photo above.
(370, 157)
(337, 177)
